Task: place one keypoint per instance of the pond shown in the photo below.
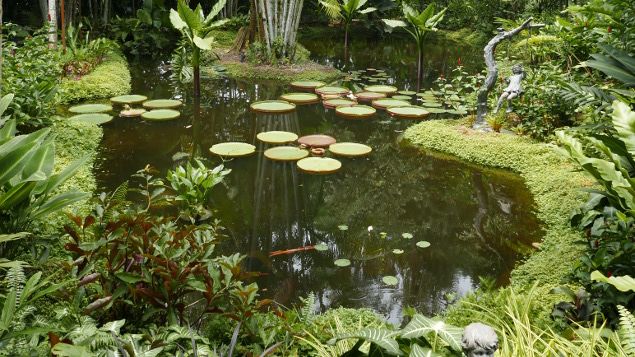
(373, 211)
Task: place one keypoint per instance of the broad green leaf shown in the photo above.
(367, 10)
(66, 350)
(58, 179)
(4, 103)
(394, 23)
(624, 123)
(204, 43)
(16, 195)
(420, 326)
(215, 10)
(10, 237)
(41, 163)
(342, 262)
(379, 336)
(8, 310)
(7, 131)
(418, 351)
(191, 17)
(57, 203)
(176, 20)
(622, 283)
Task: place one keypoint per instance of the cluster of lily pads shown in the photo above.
(151, 110)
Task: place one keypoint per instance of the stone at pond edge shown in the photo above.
(319, 165)
(90, 108)
(286, 153)
(277, 137)
(342, 262)
(232, 149)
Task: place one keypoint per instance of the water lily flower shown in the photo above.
(370, 229)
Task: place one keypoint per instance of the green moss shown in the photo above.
(549, 177)
(281, 73)
(109, 79)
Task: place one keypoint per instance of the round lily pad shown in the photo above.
(300, 98)
(286, 153)
(133, 112)
(390, 280)
(381, 89)
(406, 235)
(369, 96)
(95, 118)
(232, 149)
(161, 115)
(319, 165)
(272, 106)
(436, 110)
(430, 104)
(355, 111)
(342, 262)
(129, 99)
(407, 92)
(307, 85)
(401, 97)
(408, 112)
(397, 251)
(317, 140)
(162, 104)
(321, 247)
(457, 111)
(387, 103)
(423, 244)
(90, 108)
(332, 90)
(277, 137)
(338, 102)
(350, 149)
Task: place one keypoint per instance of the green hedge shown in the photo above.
(108, 79)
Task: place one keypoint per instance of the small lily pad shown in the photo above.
(319, 165)
(338, 102)
(397, 251)
(430, 104)
(342, 227)
(390, 280)
(406, 235)
(381, 89)
(383, 235)
(387, 103)
(350, 149)
(307, 85)
(411, 112)
(129, 99)
(423, 244)
(355, 111)
(277, 137)
(300, 98)
(342, 262)
(332, 90)
(90, 108)
(402, 97)
(435, 110)
(232, 149)
(286, 153)
(407, 92)
(95, 118)
(161, 115)
(369, 96)
(162, 104)
(272, 106)
(321, 247)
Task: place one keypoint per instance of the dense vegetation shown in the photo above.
(138, 271)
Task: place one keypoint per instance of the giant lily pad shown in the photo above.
(355, 111)
(272, 106)
(300, 98)
(332, 90)
(277, 137)
(319, 165)
(317, 140)
(95, 118)
(423, 244)
(431, 104)
(387, 103)
(381, 89)
(411, 112)
(342, 262)
(369, 96)
(402, 97)
(161, 115)
(129, 99)
(436, 110)
(407, 92)
(350, 149)
(390, 280)
(132, 112)
(90, 108)
(307, 85)
(232, 149)
(338, 102)
(162, 104)
(286, 153)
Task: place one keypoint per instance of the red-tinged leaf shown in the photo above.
(76, 219)
(72, 247)
(71, 232)
(54, 339)
(88, 221)
(263, 302)
(99, 303)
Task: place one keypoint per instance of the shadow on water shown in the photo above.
(479, 222)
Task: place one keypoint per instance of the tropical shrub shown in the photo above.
(82, 54)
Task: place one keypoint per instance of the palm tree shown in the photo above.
(345, 10)
(418, 24)
(196, 29)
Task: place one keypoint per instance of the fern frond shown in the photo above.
(332, 8)
(627, 330)
(307, 311)
(586, 96)
(15, 279)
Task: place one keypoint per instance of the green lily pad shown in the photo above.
(161, 115)
(332, 90)
(350, 149)
(436, 110)
(277, 137)
(133, 112)
(317, 141)
(390, 280)
(381, 89)
(356, 111)
(129, 99)
(369, 96)
(430, 104)
(162, 104)
(342, 262)
(423, 244)
(342, 227)
(319, 165)
(408, 112)
(407, 235)
(387, 103)
(397, 251)
(286, 153)
(338, 102)
(272, 106)
(457, 111)
(232, 149)
(407, 92)
(90, 108)
(402, 97)
(321, 247)
(95, 118)
(300, 98)
(307, 85)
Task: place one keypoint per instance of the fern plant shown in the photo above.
(627, 330)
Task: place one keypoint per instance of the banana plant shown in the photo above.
(196, 29)
(346, 10)
(418, 24)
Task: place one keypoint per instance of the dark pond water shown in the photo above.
(478, 221)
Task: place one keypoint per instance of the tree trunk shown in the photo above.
(492, 73)
(63, 20)
(196, 69)
(52, 19)
(419, 68)
(280, 21)
(1, 57)
(250, 33)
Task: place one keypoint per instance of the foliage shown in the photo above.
(286, 74)
(346, 10)
(83, 54)
(539, 48)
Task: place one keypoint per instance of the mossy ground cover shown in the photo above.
(286, 73)
(549, 177)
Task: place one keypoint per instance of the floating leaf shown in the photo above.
(423, 244)
(286, 153)
(390, 280)
(350, 149)
(369, 96)
(133, 112)
(300, 98)
(342, 227)
(161, 115)
(90, 108)
(338, 102)
(307, 85)
(383, 235)
(317, 141)
(387, 103)
(332, 90)
(321, 247)
(162, 104)
(410, 112)
(277, 137)
(272, 106)
(95, 118)
(401, 97)
(319, 165)
(342, 262)
(397, 251)
(355, 111)
(406, 235)
(381, 89)
(129, 99)
(407, 92)
(232, 149)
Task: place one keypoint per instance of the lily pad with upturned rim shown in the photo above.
(319, 165)
(407, 92)
(423, 244)
(162, 104)
(381, 89)
(90, 108)
(390, 280)
(307, 85)
(402, 97)
(369, 96)
(232, 149)
(272, 106)
(161, 115)
(342, 263)
(129, 99)
(286, 153)
(387, 103)
(277, 137)
(410, 112)
(94, 118)
(338, 102)
(332, 90)
(350, 149)
(355, 111)
(300, 98)
(317, 141)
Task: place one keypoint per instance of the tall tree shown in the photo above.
(52, 20)
(280, 21)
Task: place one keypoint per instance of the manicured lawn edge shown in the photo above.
(110, 78)
(548, 176)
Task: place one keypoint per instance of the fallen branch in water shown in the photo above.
(291, 251)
